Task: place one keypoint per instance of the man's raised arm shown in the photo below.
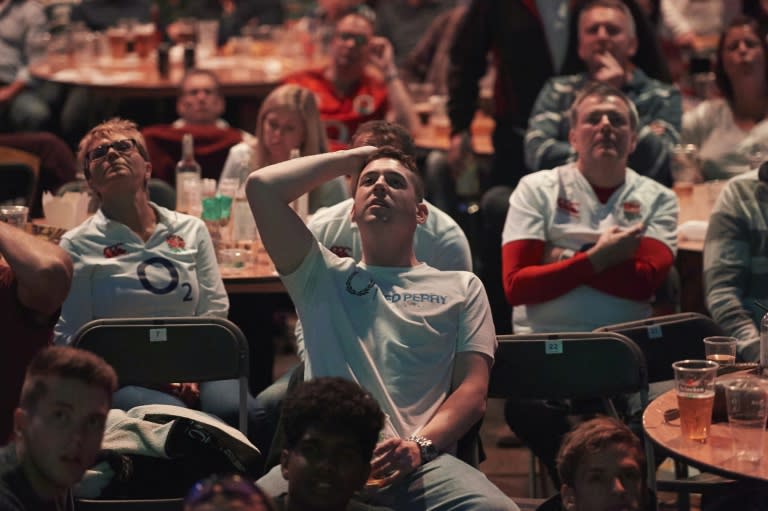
(271, 190)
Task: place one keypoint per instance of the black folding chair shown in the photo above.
(580, 366)
(151, 351)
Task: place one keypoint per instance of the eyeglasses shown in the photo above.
(230, 486)
(100, 151)
(359, 39)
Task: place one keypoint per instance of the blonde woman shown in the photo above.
(288, 119)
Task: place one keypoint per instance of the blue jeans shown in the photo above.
(445, 484)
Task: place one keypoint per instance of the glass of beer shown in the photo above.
(720, 349)
(695, 385)
(118, 42)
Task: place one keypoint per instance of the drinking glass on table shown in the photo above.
(695, 386)
(720, 349)
(747, 405)
(15, 215)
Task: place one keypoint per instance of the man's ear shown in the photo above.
(421, 213)
(284, 454)
(20, 422)
(568, 496)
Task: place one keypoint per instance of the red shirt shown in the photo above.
(343, 114)
(23, 336)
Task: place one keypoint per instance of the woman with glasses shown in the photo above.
(133, 258)
(288, 121)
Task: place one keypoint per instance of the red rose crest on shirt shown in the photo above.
(632, 210)
(363, 104)
(175, 242)
(567, 205)
(114, 250)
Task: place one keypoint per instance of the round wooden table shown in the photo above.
(134, 77)
(715, 456)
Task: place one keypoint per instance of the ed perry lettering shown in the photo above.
(415, 297)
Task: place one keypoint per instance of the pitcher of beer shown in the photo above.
(695, 385)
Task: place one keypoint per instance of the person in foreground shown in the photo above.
(421, 341)
(59, 424)
(35, 276)
(227, 493)
(331, 427)
(602, 467)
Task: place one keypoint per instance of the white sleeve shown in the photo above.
(662, 224)
(526, 216)
(77, 309)
(452, 251)
(476, 330)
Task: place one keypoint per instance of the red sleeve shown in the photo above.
(638, 278)
(527, 281)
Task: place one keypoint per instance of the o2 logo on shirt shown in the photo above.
(173, 283)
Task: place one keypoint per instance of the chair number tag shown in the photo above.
(554, 348)
(654, 332)
(158, 334)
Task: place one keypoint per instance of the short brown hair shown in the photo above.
(405, 160)
(603, 91)
(591, 437)
(65, 362)
(611, 4)
(380, 133)
(196, 71)
(114, 126)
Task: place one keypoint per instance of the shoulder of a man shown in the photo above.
(10, 499)
(642, 83)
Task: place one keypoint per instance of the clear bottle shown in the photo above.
(243, 225)
(188, 181)
(300, 205)
(764, 342)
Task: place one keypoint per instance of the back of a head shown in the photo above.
(593, 436)
(332, 404)
(65, 362)
(383, 133)
(227, 493)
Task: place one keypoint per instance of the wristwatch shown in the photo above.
(427, 449)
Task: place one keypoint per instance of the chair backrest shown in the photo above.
(567, 366)
(19, 174)
(164, 350)
(162, 194)
(667, 339)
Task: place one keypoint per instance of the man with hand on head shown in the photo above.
(421, 341)
(59, 425)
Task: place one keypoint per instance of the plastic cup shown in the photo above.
(695, 386)
(14, 215)
(747, 404)
(720, 349)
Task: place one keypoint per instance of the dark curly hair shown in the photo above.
(332, 404)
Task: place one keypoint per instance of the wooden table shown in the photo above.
(253, 279)
(715, 456)
(134, 77)
(434, 137)
(695, 204)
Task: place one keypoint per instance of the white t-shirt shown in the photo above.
(439, 241)
(395, 331)
(560, 207)
(117, 274)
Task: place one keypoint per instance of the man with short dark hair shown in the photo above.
(200, 106)
(361, 82)
(331, 427)
(59, 425)
(421, 341)
(602, 467)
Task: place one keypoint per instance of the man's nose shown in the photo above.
(602, 32)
